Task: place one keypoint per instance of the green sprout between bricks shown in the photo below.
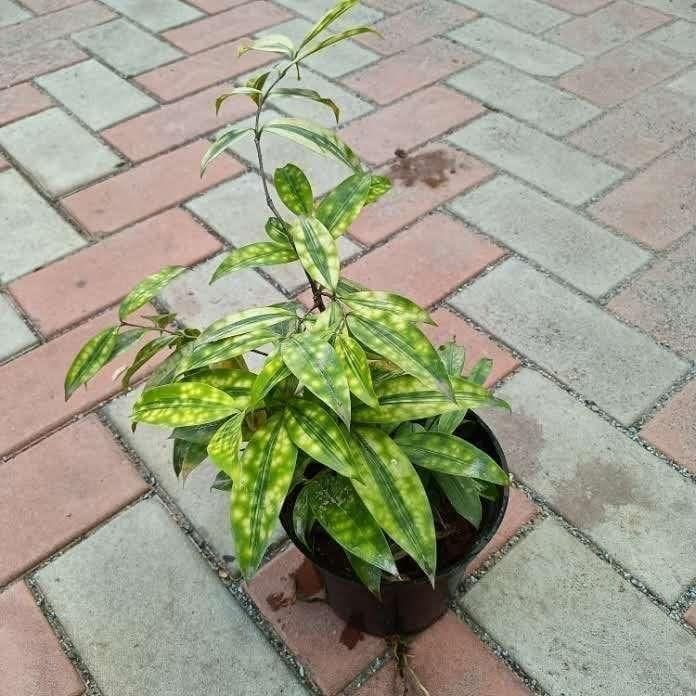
(353, 412)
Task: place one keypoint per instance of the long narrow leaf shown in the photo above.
(222, 142)
(207, 354)
(236, 383)
(146, 289)
(273, 372)
(271, 43)
(244, 322)
(144, 355)
(327, 19)
(338, 37)
(382, 306)
(395, 496)
(223, 447)
(294, 189)
(265, 473)
(302, 516)
(341, 206)
(317, 251)
(90, 359)
(463, 494)
(341, 512)
(236, 91)
(253, 256)
(379, 185)
(356, 367)
(369, 575)
(186, 456)
(310, 94)
(315, 364)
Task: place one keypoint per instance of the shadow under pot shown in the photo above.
(408, 604)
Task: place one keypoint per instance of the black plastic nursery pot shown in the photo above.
(410, 604)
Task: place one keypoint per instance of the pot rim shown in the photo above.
(481, 539)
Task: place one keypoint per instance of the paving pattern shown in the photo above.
(544, 160)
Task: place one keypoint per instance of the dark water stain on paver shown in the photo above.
(351, 635)
(278, 600)
(309, 584)
(432, 168)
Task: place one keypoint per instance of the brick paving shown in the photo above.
(543, 207)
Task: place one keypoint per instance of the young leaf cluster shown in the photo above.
(353, 411)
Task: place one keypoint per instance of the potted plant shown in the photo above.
(356, 431)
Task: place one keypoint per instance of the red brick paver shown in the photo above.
(622, 73)
(45, 6)
(409, 123)
(59, 489)
(233, 24)
(310, 629)
(690, 616)
(673, 428)
(32, 400)
(420, 66)
(31, 660)
(428, 177)
(449, 659)
(4, 164)
(657, 206)
(212, 6)
(100, 208)
(416, 24)
(448, 254)
(96, 277)
(156, 131)
(20, 101)
(202, 69)
(38, 59)
(478, 345)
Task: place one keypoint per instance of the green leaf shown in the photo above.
(354, 361)
(341, 206)
(340, 511)
(314, 137)
(338, 37)
(145, 354)
(146, 289)
(315, 364)
(253, 256)
(448, 422)
(481, 371)
(405, 345)
(183, 403)
(463, 495)
(315, 431)
(200, 434)
(327, 19)
(160, 320)
(257, 82)
(369, 575)
(294, 189)
(317, 251)
(236, 91)
(273, 372)
(222, 482)
(225, 138)
(302, 516)
(383, 306)
(308, 94)
(271, 43)
(165, 372)
(277, 231)
(234, 382)
(453, 358)
(394, 494)
(265, 473)
(379, 185)
(451, 455)
(210, 353)
(125, 339)
(91, 358)
(244, 322)
(223, 447)
(186, 456)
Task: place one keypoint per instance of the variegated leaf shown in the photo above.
(165, 372)
(253, 256)
(302, 516)
(207, 354)
(200, 434)
(234, 382)
(340, 511)
(273, 372)
(125, 339)
(265, 473)
(463, 494)
(369, 575)
(453, 358)
(314, 137)
(251, 92)
(186, 456)
(343, 204)
(317, 251)
(223, 447)
(385, 306)
(310, 94)
(277, 231)
(405, 345)
(146, 289)
(183, 403)
(315, 431)
(257, 82)
(90, 359)
(394, 494)
(356, 367)
(328, 18)
(451, 455)
(481, 371)
(244, 322)
(336, 38)
(294, 189)
(315, 364)
(271, 43)
(145, 354)
(224, 139)
(379, 185)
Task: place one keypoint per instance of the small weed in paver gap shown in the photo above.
(356, 431)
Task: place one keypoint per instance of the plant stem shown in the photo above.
(316, 291)
(151, 328)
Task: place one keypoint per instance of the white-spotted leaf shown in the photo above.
(146, 289)
(317, 251)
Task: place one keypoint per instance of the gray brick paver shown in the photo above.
(569, 245)
(148, 616)
(617, 367)
(679, 36)
(679, 8)
(628, 501)
(11, 13)
(575, 625)
(555, 167)
(527, 15)
(14, 333)
(156, 15)
(686, 84)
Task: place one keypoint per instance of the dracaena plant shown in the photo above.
(353, 412)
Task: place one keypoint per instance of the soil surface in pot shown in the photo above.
(455, 536)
